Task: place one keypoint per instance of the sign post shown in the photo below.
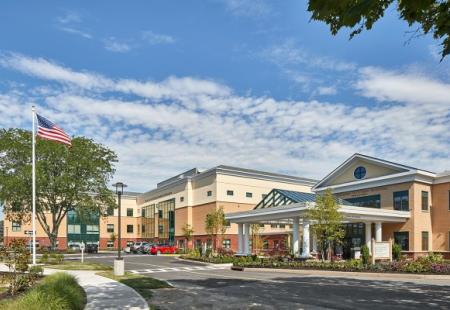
(381, 250)
(82, 252)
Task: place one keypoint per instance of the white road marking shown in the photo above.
(178, 269)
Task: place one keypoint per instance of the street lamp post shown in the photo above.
(119, 266)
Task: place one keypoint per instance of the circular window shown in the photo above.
(360, 173)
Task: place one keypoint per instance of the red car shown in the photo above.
(157, 249)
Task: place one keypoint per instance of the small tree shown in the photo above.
(327, 223)
(16, 257)
(215, 224)
(187, 234)
(257, 242)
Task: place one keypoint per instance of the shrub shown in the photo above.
(44, 258)
(59, 291)
(396, 251)
(59, 258)
(365, 255)
(208, 252)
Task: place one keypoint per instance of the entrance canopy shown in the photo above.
(291, 207)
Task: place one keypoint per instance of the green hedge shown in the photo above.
(59, 291)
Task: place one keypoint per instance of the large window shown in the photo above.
(425, 239)
(401, 201)
(230, 193)
(129, 211)
(92, 229)
(74, 229)
(373, 201)
(110, 228)
(166, 222)
(15, 226)
(129, 229)
(424, 201)
(110, 244)
(402, 238)
(149, 221)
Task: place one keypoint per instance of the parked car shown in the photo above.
(138, 247)
(91, 248)
(145, 249)
(75, 247)
(157, 249)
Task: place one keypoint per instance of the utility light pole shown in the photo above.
(119, 266)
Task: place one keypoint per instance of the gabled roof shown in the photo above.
(399, 169)
(280, 197)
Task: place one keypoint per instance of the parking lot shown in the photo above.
(204, 286)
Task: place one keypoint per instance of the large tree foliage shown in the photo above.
(74, 178)
(215, 224)
(187, 232)
(431, 16)
(326, 223)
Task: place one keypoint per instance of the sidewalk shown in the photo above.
(101, 292)
(105, 293)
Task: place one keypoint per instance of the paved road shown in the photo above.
(199, 286)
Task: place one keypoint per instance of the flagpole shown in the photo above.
(34, 185)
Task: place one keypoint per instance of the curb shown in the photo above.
(204, 263)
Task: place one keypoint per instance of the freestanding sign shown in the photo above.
(82, 251)
(381, 250)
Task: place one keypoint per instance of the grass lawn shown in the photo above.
(77, 265)
(143, 285)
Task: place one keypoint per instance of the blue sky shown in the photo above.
(172, 85)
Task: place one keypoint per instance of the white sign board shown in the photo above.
(381, 250)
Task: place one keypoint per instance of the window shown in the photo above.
(110, 211)
(209, 244)
(227, 223)
(129, 211)
(273, 225)
(373, 201)
(282, 226)
(265, 244)
(261, 225)
(402, 238)
(15, 226)
(198, 243)
(401, 201)
(110, 228)
(424, 201)
(143, 212)
(230, 193)
(92, 229)
(110, 244)
(129, 229)
(143, 228)
(181, 199)
(248, 195)
(160, 214)
(160, 229)
(359, 173)
(424, 240)
(226, 243)
(74, 229)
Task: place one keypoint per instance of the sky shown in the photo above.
(172, 85)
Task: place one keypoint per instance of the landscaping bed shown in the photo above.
(431, 264)
(58, 291)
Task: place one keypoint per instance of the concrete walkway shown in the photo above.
(101, 292)
(105, 293)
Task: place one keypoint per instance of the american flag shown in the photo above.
(48, 130)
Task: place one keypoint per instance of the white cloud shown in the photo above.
(201, 123)
(69, 17)
(326, 90)
(76, 32)
(251, 8)
(113, 45)
(155, 38)
(385, 85)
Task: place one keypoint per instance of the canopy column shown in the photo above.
(369, 235)
(306, 240)
(240, 238)
(246, 239)
(378, 232)
(295, 238)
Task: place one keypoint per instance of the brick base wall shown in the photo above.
(43, 241)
